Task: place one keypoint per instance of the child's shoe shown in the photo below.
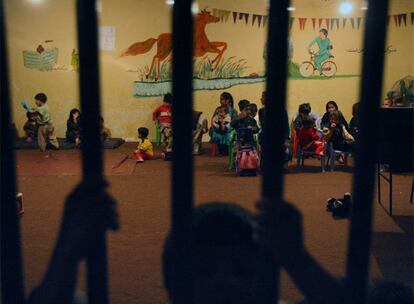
(140, 160)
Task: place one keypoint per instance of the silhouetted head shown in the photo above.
(228, 266)
(390, 292)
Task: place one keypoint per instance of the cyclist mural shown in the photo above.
(320, 58)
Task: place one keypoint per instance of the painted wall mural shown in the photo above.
(215, 69)
(45, 58)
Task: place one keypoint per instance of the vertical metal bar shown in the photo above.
(91, 143)
(12, 289)
(390, 193)
(363, 184)
(276, 71)
(182, 166)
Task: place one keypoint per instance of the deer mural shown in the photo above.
(202, 44)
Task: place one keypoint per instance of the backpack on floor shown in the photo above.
(247, 161)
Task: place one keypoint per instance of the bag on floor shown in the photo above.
(247, 162)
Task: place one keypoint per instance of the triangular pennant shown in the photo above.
(216, 12)
(337, 23)
(302, 23)
(291, 20)
(412, 18)
(320, 22)
(352, 22)
(235, 16)
(332, 23)
(395, 20)
(265, 20)
(244, 16)
(388, 19)
(344, 22)
(313, 22)
(259, 19)
(226, 15)
(402, 17)
(359, 22)
(327, 23)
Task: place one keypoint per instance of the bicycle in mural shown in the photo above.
(307, 68)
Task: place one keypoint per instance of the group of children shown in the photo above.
(229, 127)
(39, 125)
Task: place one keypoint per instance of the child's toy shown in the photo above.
(26, 107)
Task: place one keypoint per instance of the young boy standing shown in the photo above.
(46, 129)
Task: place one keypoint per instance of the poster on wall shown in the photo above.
(107, 38)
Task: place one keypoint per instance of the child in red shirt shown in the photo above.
(163, 114)
(309, 139)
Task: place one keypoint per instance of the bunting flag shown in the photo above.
(330, 23)
(302, 23)
(395, 20)
(244, 16)
(264, 20)
(223, 15)
(259, 19)
(235, 16)
(344, 22)
(320, 20)
(291, 20)
(402, 17)
(359, 22)
(352, 22)
(333, 22)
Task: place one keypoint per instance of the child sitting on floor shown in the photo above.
(221, 129)
(73, 128)
(31, 127)
(309, 138)
(105, 132)
(144, 150)
(163, 115)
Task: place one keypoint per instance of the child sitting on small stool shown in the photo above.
(144, 150)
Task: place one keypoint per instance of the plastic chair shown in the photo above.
(332, 154)
(302, 154)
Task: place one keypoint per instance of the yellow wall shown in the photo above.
(30, 24)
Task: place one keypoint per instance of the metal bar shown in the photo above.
(363, 183)
(182, 166)
(275, 108)
(87, 23)
(276, 70)
(12, 289)
(379, 182)
(390, 192)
